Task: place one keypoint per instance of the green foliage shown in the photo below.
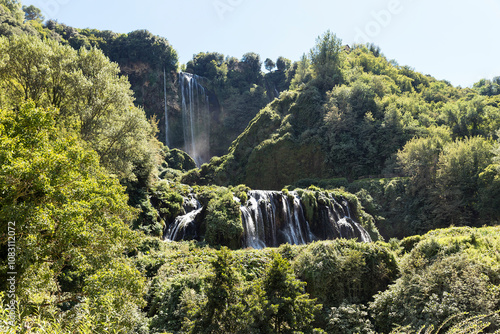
(180, 160)
(419, 159)
(223, 221)
(349, 319)
(91, 96)
(488, 87)
(33, 13)
(241, 192)
(237, 91)
(447, 273)
(457, 180)
(68, 213)
(269, 64)
(283, 64)
(287, 309)
(175, 290)
(222, 312)
(389, 202)
(345, 271)
(148, 61)
(303, 73)
(353, 111)
(349, 114)
(326, 61)
(13, 8)
(252, 64)
(308, 198)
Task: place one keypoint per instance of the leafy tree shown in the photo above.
(469, 118)
(288, 309)
(457, 181)
(440, 91)
(223, 221)
(206, 65)
(488, 87)
(14, 7)
(252, 67)
(419, 159)
(283, 64)
(326, 61)
(91, 95)
(142, 45)
(349, 319)
(359, 140)
(33, 13)
(269, 64)
(345, 271)
(223, 312)
(303, 73)
(71, 220)
(447, 272)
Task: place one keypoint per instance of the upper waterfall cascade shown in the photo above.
(195, 117)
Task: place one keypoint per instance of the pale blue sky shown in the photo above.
(453, 40)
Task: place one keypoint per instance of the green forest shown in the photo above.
(92, 178)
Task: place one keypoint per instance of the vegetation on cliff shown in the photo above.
(87, 190)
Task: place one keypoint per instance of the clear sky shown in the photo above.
(453, 40)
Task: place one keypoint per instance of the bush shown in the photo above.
(223, 222)
(345, 271)
(349, 319)
(447, 273)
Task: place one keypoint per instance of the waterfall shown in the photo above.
(167, 143)
(195, 117)
(271, 218)
(335, 221)
(178, 229)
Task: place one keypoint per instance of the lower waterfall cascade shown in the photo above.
(178, 229)
(272, 218)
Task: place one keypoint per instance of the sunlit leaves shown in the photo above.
(91, 95)
(69, 212)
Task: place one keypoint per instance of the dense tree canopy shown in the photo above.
(71, 221)
(33, 13)
(91, 95)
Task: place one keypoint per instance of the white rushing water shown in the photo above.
(272, 218)
(177, 230)
(195, 117)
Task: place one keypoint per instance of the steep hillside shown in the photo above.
(352, 114)
(236, 88)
